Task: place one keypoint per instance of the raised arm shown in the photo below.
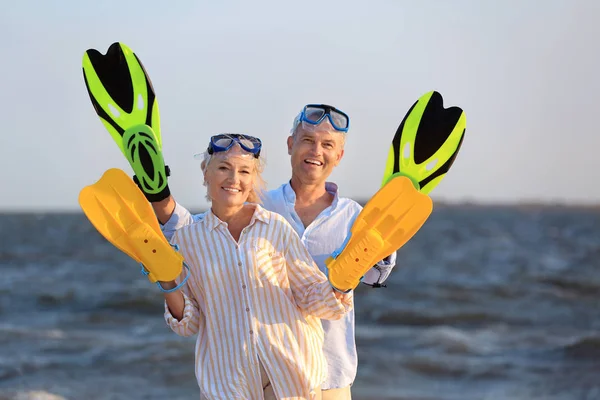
(173, 216)
(164, 209)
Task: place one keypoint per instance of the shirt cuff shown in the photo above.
(380, 271)
(178, 213)
(347, 300)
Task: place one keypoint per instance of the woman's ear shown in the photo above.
(203, 168)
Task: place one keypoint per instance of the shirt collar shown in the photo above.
(212, 221)
(290, 196)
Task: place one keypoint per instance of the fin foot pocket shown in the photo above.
(389, 219)
(146, 159)
(146, 273)
(347, 270)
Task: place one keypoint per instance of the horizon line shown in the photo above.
(437, 202)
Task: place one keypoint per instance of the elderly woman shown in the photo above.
(255, 296)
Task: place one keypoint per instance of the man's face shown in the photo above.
(315, 152)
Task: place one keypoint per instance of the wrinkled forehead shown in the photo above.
(235, 159)
(323, 131)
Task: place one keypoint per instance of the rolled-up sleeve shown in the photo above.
(190, 323)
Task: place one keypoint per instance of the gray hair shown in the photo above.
(301, 124)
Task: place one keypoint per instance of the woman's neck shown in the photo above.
(227, 214)
(236, 218)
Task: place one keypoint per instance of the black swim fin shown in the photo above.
(426, 142)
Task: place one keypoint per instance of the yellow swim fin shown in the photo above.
(120, 212)
(389, 219)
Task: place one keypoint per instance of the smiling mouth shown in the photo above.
(313, 162)
(231, 190)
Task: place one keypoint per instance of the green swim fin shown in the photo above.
(123, 97)
(426, 142)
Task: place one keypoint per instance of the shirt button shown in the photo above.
(247, 308)
(243, 286)
(251, 332)
(240, 264)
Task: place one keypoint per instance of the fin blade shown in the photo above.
(145, 103)
(426, 142)
(120, 90)
(120, 212)
(108, 108)
(102, 210)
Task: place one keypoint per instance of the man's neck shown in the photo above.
(308, 193)
(311, 200)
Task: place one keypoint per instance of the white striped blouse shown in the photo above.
(261, 297)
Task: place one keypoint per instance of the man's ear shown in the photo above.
(290, 143)
(340, 155)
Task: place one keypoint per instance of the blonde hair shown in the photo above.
(259, 187)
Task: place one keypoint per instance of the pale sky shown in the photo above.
(527, 74)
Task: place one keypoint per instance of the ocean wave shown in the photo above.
(88, 350)
(445, 367)
(8, 330)
(582, 288)
(455, 341)
(434, 367)
(53, 300)
(484, 316)
(140, 303)
(426, 318)
(10, 368)
(584, 347)
(30, 395)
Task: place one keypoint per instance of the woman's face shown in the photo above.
(230, 179)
